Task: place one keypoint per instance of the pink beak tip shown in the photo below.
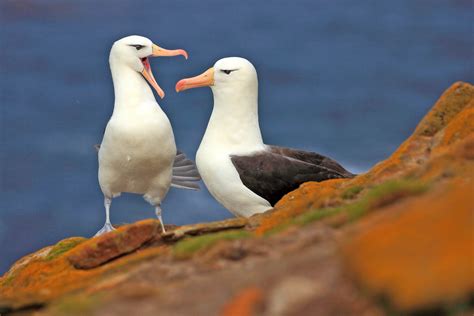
(179, 85)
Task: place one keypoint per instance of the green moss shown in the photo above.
(351, 192)
(278, 229)
(76, 305)
(385, 194)
(63, 246)
(304, 219)
(58, 249)
(379, 196)
(187, 247)
(316, 215)
(403, 185)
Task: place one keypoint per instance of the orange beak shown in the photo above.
(159, 52)
(205, 79)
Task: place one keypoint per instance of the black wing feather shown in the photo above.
(278, 170)
(312, 158)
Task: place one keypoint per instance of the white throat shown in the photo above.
(234, 120)
(130, 88)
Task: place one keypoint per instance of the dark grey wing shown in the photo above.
(312, 158)
(185, 173)
(271, 174)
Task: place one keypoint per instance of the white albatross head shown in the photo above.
(133, 52)
(229, 76)
(234, 120)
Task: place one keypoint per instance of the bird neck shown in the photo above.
(234, 120)
(130, 88)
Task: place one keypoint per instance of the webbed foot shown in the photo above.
(107, 228)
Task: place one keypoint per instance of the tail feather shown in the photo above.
(180, 159)
(186, 178)
(189, 185)
(183, 168)
(185, 173)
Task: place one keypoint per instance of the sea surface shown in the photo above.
(348, 79)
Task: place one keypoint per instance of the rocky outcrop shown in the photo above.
(395, 240)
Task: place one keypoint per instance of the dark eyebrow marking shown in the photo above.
(137, 46)
(228, 71)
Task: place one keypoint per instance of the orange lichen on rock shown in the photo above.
(245, 303)
(310, 195)
(405, 230)
(448, 162)
(453, 100)
(40, 280)
(410, 155)
(47, 275)
(460, 126)
(451, 117)
(418, 253)
(319, 193)
(113, 244)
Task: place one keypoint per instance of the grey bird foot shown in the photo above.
(107, 228)
(158, 214)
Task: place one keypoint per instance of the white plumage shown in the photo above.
(241, 172)
(138, 149)
(233, 129)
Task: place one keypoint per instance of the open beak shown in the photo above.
(205, 79)
(159, 52)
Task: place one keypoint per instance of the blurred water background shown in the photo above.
(349, 79)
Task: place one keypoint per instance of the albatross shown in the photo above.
(138, 152)
(241, 172)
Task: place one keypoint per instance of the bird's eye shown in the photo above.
(137, 46)
(227, 72)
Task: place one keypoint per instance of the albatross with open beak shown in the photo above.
(138, 152)
(240, 171)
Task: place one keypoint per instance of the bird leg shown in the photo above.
(107, 226)
(158, 214)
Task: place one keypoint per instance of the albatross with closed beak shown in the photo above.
(138, 151)
(241, 172)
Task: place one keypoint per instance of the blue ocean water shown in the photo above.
(349, 79)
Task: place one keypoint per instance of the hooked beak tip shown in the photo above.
(179, 85)
(160, 92)
(206, 79)
(158, 51)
